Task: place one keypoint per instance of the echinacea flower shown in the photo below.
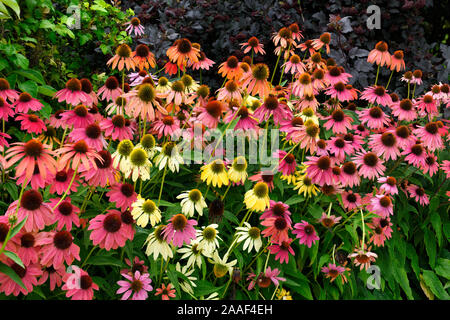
(380, 55)
(254, 45)
(250, 236)
(79, 285)
(305, 233)
(418, 194)
(238, 170)
(332, 271)
(319, 170)
(329, 221)
(363, 257)
(389, 185)
(6, 110)
(181, 52)
(134, 26)
(143, 57)
(145, 211)
(157, 245)
(369, 165)
(79, 117)
(404, 110)
(381, 228)
(169, 156)
(338, 122)
(257, 199)
(255, 82)
(282, 251)
(91, 134)
(66, 214)
(137, 286)
(265, 279)
(427, 104)
(208, 239)
(385, 145)
(179, 230)
(397, 62)
(73, 93)
(26, 102)
(193, 253)
(142, 102)
(430, 137)
(304, 185)
(55, 276)
(122, 58)
(58, 247)
(138, 165)
(74, 154)
(28, 274)
(230, 69)
(274, 108)
(336, 75)
(192, 201)
(415, 155)
(382, 205)
(31, 123)
(166, 292)
(27, 246)
(215, 173)
(6, 93)
(203, 63)
(110, 90)
(108, 231)
(377, 94)
(60, 181)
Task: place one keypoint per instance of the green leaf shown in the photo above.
(205, 288)
(437, 225)
(21, 61)
(13, 5)
(15, 230)
(402, 279)
(29, 86)
(31, 74)
(294, 199)
(11, 187)
(443, 268)
(430, 246)
(104, 261)
(46, 24)
(173, 278)
(12, 274)
(14, 257)
(164, 203)
(301, 287)
(432, 281)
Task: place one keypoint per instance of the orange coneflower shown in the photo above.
(324, 40)
(256, 81)
(253, 44)
(230, 69)
(397, 61)
(316, 62)
(307, 45)
(143, 57)
(182, 51)
(380, 55)
(122, 58)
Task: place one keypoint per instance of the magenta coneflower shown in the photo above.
(65, 214)
(59, 182)
(381, 205)
(305, 233)
(27, 246)
(415, 155)
(5, 110)
(351, 200)
(385, 145)
(380, 55)
(277, 209)
(333, 271)
(264, 176)
(116, 128)
(134, 26)
(381, 228)
(370, 166)
(273, 107)
(104, 174)
(166, 126)
(337, 75)
(73, 93)
(107, 230)
(137, 286)
(320, 170)
(6, 93)
(339, 147)
(389, 185)
(91, 134)
(374, 117)
(277, 228)
(404, 110)
(265, 279)
(59, 248)
(79, 117)
(74, 154)
(180, 230)
(418, 194)
(31, 123)
(329, 221)
(338, 122)
(377, 94)
(79, 285)
(26, 102)
(123, 195)
(246, 119)
(287, 163)
(28, 275)
(429, 135)
(282, 251)
(210, 114)
(55, 276)
(111, 90)
(349, 175)
(32, 206)
(430, 165)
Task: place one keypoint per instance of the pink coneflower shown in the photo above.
(282, 251)
(329, 221)
(3, 142)
(137, 286)
(381, 228)
(349, 175)
(59, 248)
(380, 55)
(417, 77)
(166, 126)
(5, 110)
(32, 206)
(415, 155)
(74, 154)
(374, 117)
(110, 90)
(430, 165)
(418, 194)
(336, 75)
(389, 185)
(31, 123)
(91, 134)
(324, 40)
(307, 136)
(116, 128)
(128, 224)
(55, 276)
(230, 92)
(36, 182)
(28, 155)
(339, 148)
(203, 63)
(254, 45)
(445, 166)
(355, 141)
(277, 209)
(246, 119)
(142, 102)
(294, 65)
(370, 166)
(306, 233)
(27, 246)
(351, 200)
(429, 135)
(123, 195)
(404, 136)
(79, 117)
(404, 110)
(427, 104)
(166, 292)
(104, 174)
(290, 125)
(361, 130)
(6, 93)
(308, 101)
(180, 230)
(122, 58)
(397, 62)
(265, 279)
(303, 86)
(73, 93)
(59, 182)
(86, 87)
(56, 120)
(381, 205)
(385, 145)
(363, 257)
(255, 81)
(28, 275)
(320, 170)
(264, 176)
(135, 265)
(273, 107)
(377, 94)
(342, 92)
(210, 114)
(65, 214)
(287, 163)
(134, 26)
(26, 102)
(79, 285)
(277, 229)
(333, 271)
(107, 230)
(338, 121)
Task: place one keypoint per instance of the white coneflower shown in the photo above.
(251, 236)
(148, 144)
(190, 85)
(192, 200)
(193, 253)
(238, 171)
(221, 265)
(169, 156)
(138, 165)
(208, 238)
(145, 210)
(163, 86)
(122, 155)
(156, 245)
(186, 285)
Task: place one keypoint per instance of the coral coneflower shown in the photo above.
(404, 110)
(210, 113)
(91, 134)
(31, 123)
(430, 136)
(381, 228)
(143, 57)
(86, 87)
(28, 275)
(430, 165)
(427, 104)
(273, 107)
(142, 102)
(116, 128)
(83, 288)
(397, 62)
(338, 122)
(294, 65)
(363, 257)
(74, 154)
(342, 92)
(183, 51)
(282, 251)
(111, 90)
(55, 276)
(105, 173)
(73, 93)
(381, 205)
(5, 110)
(231, 91)
(166, 292)
(59, 248)
(324, 40)
(415, 155)
(307, 136)
(79, 117)
(303, 85)
(380, 55)
(264, 176)
(385, 145)
(333, 271)
(123, 195)
(254, 45)
(230, 69)
(246, 122)
(256, 81)
(27, 246)
(277, 229)
(122, 58)
(336, 74)
(203, 63)
(282, 37)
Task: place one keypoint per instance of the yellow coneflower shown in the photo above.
(163, 86)
(283, 294)
(238, 170)
(138, 165)
(291, 178)
(215, 173)
(145, 211)
(49, 136)
(257, 199)
(305, 186)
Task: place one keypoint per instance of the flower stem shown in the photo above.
(88, 256)
(378, 71)
(68, 188)
(276, 65)
(390, 77)
(284, 65)
(162, 184)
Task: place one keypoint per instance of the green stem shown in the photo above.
(68, 188)
(390, 77)
(88, 256)
(276, 65)
(162, 184)
(378, 71)
(284, 65)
